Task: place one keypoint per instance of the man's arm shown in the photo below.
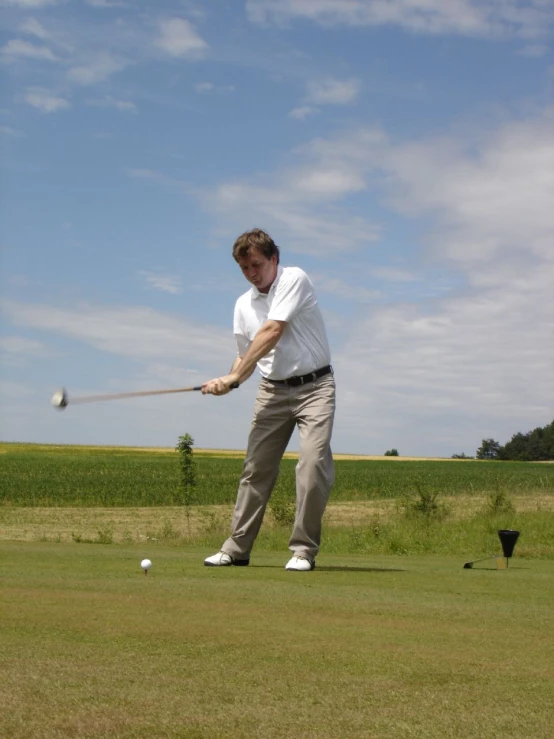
(264, 341)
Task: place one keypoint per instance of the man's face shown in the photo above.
(258, 269)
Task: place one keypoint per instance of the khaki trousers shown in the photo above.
(278, 409)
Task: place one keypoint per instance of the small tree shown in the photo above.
(391, 453)
(463, 455)
(188, 471)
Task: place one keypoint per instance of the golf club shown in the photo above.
(60, 399)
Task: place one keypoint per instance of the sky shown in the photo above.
(399, 151)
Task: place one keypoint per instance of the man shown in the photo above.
(279, 328)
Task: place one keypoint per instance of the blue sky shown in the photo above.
(402, 152)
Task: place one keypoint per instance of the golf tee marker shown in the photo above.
(508, 539)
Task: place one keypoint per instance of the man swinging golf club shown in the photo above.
(279, 328)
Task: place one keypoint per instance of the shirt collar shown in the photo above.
(256, 293)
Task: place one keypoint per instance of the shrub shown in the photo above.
(499, 503)
(283, 511)
(424, 503)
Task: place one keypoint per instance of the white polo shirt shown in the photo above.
(303, 347)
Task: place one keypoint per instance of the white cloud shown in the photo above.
(486, 355)
(179, 39)
(486, 195)
(329, 91)
(28, 4)
(485, 351)
(45, 101)
(393, 274)
(19, 48)
(207, 87)
(343, 289)
(165, 283)
(497, 199)
(127, 331)
(333, 92)
(97, 69)
(32, 27)
(204, 86)
(302, 112)
(107, 3)
(163, 180)
(7, 131)
(13, 390)
(534, 51)
(16, 351)
(302, 202)
(489, 18)
(124, 106)
(20, 345)
(301, 211)
(334, 182)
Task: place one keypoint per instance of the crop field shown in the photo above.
(37, 475)
(378, 506)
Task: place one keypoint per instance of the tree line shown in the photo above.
(534, 446)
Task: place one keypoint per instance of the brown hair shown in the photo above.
(256, 239)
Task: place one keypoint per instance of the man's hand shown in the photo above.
(220, 385)
(264, 341)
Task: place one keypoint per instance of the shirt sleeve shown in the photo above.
(294, 293)
(243, 342)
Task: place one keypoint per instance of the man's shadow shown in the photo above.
(348, 568)
(335, 568)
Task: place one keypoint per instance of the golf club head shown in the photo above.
(59, 399)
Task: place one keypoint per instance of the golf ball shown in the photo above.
(146, 564)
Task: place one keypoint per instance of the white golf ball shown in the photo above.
(146, 564)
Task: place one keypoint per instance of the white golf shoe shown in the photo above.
(222, 559)
(300, 564)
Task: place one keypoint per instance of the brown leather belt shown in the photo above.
(303, 379)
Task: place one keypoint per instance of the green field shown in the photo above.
(34, 475)
(378, 647)
(117, 496)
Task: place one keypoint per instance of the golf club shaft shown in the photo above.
(119, 396)
(141, 394)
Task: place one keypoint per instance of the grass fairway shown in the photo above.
(362, 647)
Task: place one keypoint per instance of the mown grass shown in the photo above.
(379, 647)
(82, 476)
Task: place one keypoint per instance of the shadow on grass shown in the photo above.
(482, 568)
(347, 568)
(333, 568)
